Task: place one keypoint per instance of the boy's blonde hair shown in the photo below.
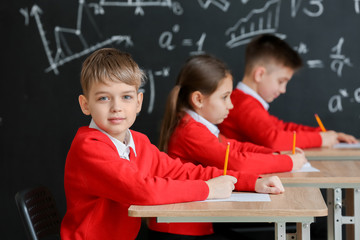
(268, 49)
(109, 64)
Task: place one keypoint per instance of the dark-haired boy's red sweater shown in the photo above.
(100, 186)
(250, 121)
(192, 142)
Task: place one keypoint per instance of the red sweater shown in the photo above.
(193, 142)
(250, 121)
(100, 186)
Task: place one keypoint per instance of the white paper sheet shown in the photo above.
(243, 197)
(307, 168)
(347, 145)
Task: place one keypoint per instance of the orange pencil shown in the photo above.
(294, 143)
(320, 123)
(226, 157)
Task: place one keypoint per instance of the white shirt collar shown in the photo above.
(212, 128)
(122, 148)
(246, 89)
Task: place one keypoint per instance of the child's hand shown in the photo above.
(298, 159)
(221, 187)
(329, 138)
(269, 185)
(342, 137)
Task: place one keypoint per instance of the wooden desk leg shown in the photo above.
(330, 218)
(357, 213)
(349, 207)
(280, 231)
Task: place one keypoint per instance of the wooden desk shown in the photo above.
(334, 176)
(298, 205)
(332, 154)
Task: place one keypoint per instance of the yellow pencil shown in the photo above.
(226, 157)
(294, 143)
(320, 123)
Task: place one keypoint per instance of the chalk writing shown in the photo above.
(339, 60)
(222, 4)
(151, 84)
(335, 103)
(165, 41)
(356, 6)
(25, 13)
(315, 10)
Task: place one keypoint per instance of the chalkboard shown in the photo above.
(44, 42)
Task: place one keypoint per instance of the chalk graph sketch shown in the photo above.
(258, 21)
(137, 4)
(64, 52)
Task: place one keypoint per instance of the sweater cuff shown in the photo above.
(246, 182)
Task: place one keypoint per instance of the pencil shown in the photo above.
(226, 157)
(320, 123)
(294, 143)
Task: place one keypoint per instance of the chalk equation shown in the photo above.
(335, 103)
(337, 58)
(164, 72)
(166, 41)
(313, 8)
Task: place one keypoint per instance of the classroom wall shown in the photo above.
(44, 42)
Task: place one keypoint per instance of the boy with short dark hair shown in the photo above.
(109, 167)
(269, 65)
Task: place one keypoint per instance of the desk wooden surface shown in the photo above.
(332, 154)
(331, 172)
(298, 202)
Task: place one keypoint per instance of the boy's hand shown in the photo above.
(269, 185)
(329, 138)
(221, 187)
(298, 159)
(342, 137)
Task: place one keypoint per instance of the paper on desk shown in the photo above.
(347, 145)
(307, 168)
(243, 197)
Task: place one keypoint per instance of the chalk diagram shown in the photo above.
(258, 21)
(65, 53)
(137, 4)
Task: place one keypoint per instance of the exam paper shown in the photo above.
(347, 145)
(307, 168)
(243, 197)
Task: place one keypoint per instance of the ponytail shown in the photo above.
(170, 118)
(199, 73)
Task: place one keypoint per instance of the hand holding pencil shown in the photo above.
(330, 138)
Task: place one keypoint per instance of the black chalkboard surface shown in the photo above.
(44, 42)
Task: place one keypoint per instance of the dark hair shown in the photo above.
(268, 48)
(201, 73)
(110, 64)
